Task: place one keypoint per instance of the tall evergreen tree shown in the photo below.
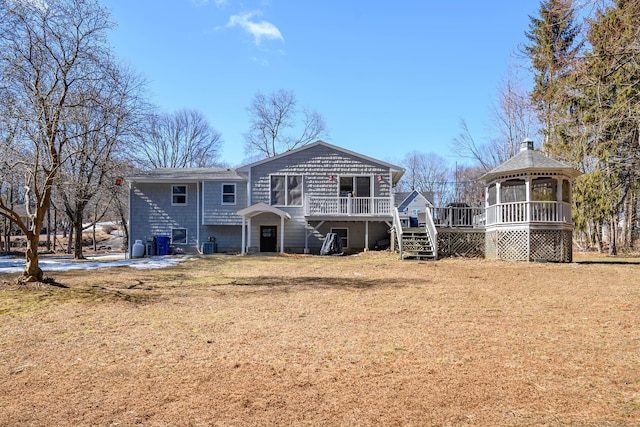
(611, 94)
(553, 48)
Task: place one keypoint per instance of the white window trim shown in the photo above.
(354, 184)
(186, 193)
(235, 193)
(286, 191)
(342, 228)
(186, 235)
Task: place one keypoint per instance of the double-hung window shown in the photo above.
(178, 195)
(286, 190)
(228, 194)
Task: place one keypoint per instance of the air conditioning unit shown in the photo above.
(209, 247)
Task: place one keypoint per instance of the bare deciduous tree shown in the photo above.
(96, 133)
(427, 173)
(272, 116)
(178, 140)
(50, 54)
(514, 119)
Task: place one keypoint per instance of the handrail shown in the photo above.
(432, 231)
(398, 227)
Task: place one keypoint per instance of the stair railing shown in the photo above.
(432, 231)
(397, 225)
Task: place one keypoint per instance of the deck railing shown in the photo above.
(519, 212)
(348, 206)
(458, 216)
(448, 217)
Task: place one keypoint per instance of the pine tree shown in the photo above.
(611, 93)
(553, 49)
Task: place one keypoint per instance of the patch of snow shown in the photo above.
(47, 264)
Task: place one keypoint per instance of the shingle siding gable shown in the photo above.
(316, 165)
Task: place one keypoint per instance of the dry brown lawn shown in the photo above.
(323, 341)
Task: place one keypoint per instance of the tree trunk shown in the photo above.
(598, 237)
(77, 225)
(70, 242)
(613, 229)
(95, 243)
(49, 229)
(33, 272)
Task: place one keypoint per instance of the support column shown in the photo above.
(248, 235)
(243, 247)
(366, 235)
(281, 234)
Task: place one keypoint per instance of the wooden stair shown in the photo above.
(416, 244)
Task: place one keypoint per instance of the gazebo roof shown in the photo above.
(530, 160)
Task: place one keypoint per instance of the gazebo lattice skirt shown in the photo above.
(530, 245)
(456, 243)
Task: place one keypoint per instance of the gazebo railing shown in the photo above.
(536, 211)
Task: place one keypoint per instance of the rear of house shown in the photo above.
(286, 203)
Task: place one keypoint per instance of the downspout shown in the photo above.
(247, 242)
(129, 246)
(199, 214)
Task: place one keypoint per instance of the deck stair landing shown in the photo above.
(417, 244)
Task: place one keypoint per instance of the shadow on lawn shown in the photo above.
(357, 282)
(622, 261)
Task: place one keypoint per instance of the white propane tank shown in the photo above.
(138, 249)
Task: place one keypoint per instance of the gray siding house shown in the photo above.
(286, 203)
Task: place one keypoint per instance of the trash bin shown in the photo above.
(162, 245)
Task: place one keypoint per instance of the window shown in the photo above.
(178, 194)
(513, 190)
(286, 190)
(343, 234)
(544, 189)
(566, 191)
(228, 194)
(179, 236)
(358, 186)
(492, 196)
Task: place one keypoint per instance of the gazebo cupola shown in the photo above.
(528, 208)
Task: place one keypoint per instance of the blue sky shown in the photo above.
(388, 77)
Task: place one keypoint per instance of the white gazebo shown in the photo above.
(528, 208)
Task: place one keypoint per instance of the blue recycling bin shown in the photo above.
(162, 245)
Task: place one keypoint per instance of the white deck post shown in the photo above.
(242, 249)
(366, 235)
(281, 234)
(248, 235)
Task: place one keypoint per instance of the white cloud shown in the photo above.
(260, 30)
(219, 3)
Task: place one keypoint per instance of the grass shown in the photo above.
(301, 340)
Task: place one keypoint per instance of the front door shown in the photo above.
(268, 238)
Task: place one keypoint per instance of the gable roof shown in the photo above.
(396, 170)
(260, 208)
(403, 199)
(186, 175)
(530, 160)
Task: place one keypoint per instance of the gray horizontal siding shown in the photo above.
(213, 211)
(152, 213)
